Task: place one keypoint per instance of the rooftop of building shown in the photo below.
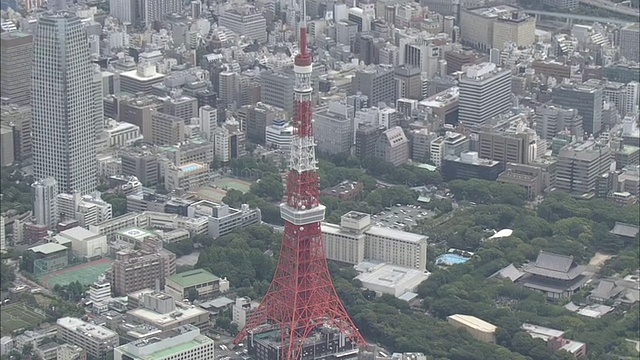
(396, 234)
(473, 322)
(192, 278)
(442, 98)
(555, 266)
(166, 320)
(493, 12)
(625, 230)
(190, 167)
(90, 330)
(79, 233)
(137, 233)
(48, 248)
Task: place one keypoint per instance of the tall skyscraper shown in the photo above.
(15, 67)
(485, 92)
(45, 202)
(63, 125)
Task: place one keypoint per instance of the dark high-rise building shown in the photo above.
(584, 98)
(15, 67)
(408, 82)
(367, 140)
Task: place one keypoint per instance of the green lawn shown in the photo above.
(18, 316)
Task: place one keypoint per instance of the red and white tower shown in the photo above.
(301, 298)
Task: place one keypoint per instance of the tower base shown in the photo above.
(325, 343)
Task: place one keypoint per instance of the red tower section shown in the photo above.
(301, 299)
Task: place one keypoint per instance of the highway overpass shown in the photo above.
(570, 17)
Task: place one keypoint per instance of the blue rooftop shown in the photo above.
(189, 167)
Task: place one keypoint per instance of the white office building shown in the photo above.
(485, 92)
(242, 310)
(355, 240)
(97, 340)
(208, 121)
(63, 119)
(45, 203)
(100, 295)
(182, 343)
(279, 135)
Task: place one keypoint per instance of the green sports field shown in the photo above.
(18, 316)
(86, 274)
(229, 183)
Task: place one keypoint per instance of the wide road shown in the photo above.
(608, 5)
(576, 17)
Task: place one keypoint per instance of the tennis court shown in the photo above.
(86, 274)
(228, 183)
(18, 316)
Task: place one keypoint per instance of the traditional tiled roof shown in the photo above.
(560, 267)
(625, 230)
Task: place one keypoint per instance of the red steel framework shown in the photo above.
(301, 297)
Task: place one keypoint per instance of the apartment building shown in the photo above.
(134, 270)
(167, 129)
(97, 340)
(182, 343)
(355, 240)
(87, 209)
(223, 219)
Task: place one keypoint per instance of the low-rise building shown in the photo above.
(478, 328)
(470, 166)
(97, 340)
(47, 258)
(389, 279)
(163, 312)
(85, 243)
(203, 282)
(183, 343)
(223, 219)
(555, 340)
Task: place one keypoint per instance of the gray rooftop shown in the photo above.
(625, 230)
(560, 267)
(510, 272)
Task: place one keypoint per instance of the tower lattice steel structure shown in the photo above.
(302, 297)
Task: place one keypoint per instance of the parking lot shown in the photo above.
(401, 217)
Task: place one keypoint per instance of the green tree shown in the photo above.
(193, 295)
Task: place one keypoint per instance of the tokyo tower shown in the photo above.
(301, 304)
